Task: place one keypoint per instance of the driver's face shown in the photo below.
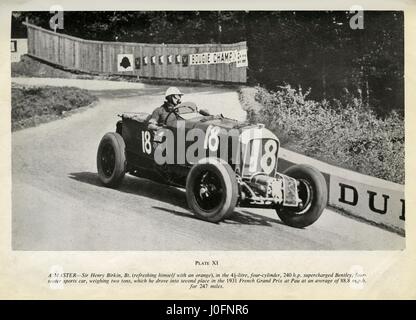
(176, 99)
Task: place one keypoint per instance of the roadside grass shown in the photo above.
(344, 134)
(32, 105)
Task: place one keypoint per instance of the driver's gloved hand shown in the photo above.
(153, 126)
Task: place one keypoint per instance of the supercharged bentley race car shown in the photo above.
(222, 163)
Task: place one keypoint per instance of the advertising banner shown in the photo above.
(238, 56)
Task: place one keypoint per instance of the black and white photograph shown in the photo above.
(207, 130)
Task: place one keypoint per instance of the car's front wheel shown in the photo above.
(211, 189)
(312, 190)
(111, 159)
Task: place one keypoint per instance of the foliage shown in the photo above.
(343, 133)
(32, 105)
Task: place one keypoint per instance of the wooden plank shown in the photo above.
(165, 69)
(105, 58)
(135, 55)
(56, 51)
(145, 68)
(30, 38)
(191, 71)
(185, 70)
(196, 68)
(97, 57)
(177, 66)
(40, 45)
(48, 45)
(89, 57)
(81, 56)
(60, 55)
(164, 66)
(141, 55)
(129, 50)
(30, 41)
(101, 59)
(152, 69)
(181, 68)
(66, 52)
(89, 61)
(76, 54)
(158, 67)
(111, 63)
(69, 53)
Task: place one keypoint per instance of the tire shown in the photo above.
(211, 189)
(312, 190)
(111, 159)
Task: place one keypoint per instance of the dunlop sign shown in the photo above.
(237, 56)
(379, 204)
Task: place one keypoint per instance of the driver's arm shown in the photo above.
(153, 125)
(154, 120)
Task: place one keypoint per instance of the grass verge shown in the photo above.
(32, 105)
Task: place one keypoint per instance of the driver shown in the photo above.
(158, 117)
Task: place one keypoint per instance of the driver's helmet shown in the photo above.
(173, 96)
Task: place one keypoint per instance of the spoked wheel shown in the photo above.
(312, 191)
(306, 194)
(111, 159)
(211, 189)
(208, 190)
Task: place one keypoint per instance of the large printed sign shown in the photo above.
(238, 56)
(379, 204)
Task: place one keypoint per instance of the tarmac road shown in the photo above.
(59, 204)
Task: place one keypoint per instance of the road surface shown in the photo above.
(58, 202)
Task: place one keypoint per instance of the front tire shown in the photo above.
(313, 192)
(111, 159)
(211, 189)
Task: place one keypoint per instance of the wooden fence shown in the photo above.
(162, 61)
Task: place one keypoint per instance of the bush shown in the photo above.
(341, 132)
(32, 105)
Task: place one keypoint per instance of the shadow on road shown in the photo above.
(172, 195)
(138, 186)
(247, 217)
(244, 217)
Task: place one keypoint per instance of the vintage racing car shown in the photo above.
(236, 165)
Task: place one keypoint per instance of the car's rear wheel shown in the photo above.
(111, 159)
(312, 190)
(211, 189)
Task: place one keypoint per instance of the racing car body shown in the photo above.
(222, 163)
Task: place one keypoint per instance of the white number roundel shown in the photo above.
(268, 160)
(212, 140)
(146, 142)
